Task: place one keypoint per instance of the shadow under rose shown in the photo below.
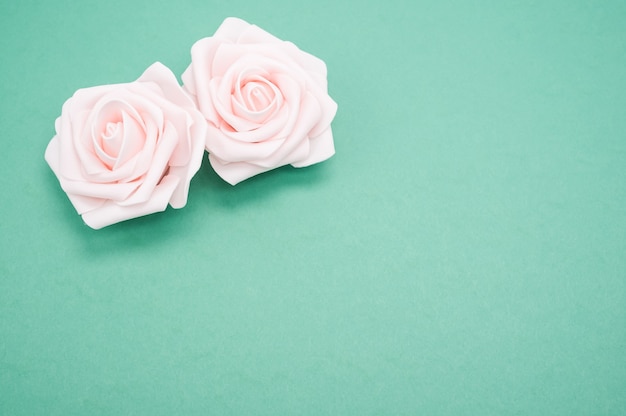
(138, 233)
(209, 198)
(214, 191)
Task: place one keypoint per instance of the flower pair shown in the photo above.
(252, 101)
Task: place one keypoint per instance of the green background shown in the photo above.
(463, 253)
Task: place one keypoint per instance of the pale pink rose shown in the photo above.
(266, 101)
(126, 150)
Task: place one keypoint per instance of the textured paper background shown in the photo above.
(463, 253)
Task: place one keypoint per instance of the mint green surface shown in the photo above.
(463, 253)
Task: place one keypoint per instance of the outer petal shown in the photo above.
(197, 134)
(81, 203)
(111, 213)
(254, 34)
(231, 28)
(235, 172)
(310, 63)
(198, 75)
(328, 112)
(321, 148)
(189, 84)
(166, 80)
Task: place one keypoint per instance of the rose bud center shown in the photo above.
(121, 137)
(257, 95)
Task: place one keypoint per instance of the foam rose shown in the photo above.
(127, 150)
(265, 101)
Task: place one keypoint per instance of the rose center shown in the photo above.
(118, 134)
(112, 138)
(257, 95)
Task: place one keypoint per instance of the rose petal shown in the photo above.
(107, 108)
(274, 129)
(134, 140)
(242, 56)
(200, 70)
(85, 99)
(69, 165)
(159, 164)
(220, 89)
(321, 148)
(328, 112)
(80, 203)
(230, 150)
(179, 117)
(293, 149)
(197, 133)
(111, 213)
(106, 113)
(166, 80)
(311, 71)
(176, 101)
(113, 191)
(111, 140)
(189, 83)
(255, 97)
(293, 95)
(235, 172)
(296, 145)
(254, 34)
(183, 152)
(310, 63)
(138, 164)
(84, 204)
(231, 28)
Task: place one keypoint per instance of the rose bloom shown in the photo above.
(266, 101)
(127, 150)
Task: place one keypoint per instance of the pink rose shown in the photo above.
(127, 150)
(266, 101)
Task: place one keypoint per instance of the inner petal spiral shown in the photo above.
(255, 98)
(257, 95)
(119, 133)
(112, 138)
